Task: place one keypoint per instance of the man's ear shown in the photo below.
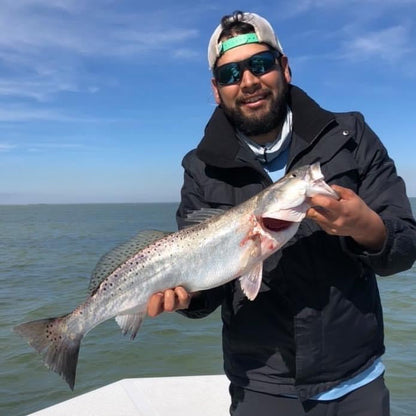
(284, 62)
(215, 91)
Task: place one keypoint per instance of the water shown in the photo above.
(46, 255)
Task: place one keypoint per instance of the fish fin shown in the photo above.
(58, 348)
(250, 282)
(130, 322)
(293, 214)
(203, 214)
(117, 256)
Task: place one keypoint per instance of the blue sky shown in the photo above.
(100, 99)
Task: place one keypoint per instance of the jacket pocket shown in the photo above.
(342, 170)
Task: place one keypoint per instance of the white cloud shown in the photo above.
(186, 53)
(45, 45)
(36, 88)
(305, 6)
(68, 5)
(5, 147)
(41, 147)
(90, 32)
(387, 44)
(19, 113)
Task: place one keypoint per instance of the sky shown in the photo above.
(101, 99)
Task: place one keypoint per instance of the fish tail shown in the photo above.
(58, 348)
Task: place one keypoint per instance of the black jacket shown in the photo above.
(317, 319)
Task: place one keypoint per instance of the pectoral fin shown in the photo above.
(251, 281)
(130, 322)
(292, 214)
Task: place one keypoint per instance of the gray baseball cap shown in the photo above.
(263, 33)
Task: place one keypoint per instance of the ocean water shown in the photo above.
(46, 255)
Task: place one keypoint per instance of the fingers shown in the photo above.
(316, 213)
(325, 219)
(325, 201)
(322, 214)
(328, 212)
(325, 207)
(168, 301)
(184, 298)
(155, 304)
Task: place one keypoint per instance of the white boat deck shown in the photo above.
(173, 396)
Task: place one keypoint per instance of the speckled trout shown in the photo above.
(216, 249)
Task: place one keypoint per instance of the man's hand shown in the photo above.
(169, 300)
(348, 216)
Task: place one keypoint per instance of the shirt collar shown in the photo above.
(266, 153)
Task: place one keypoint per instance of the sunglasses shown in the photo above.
(258, 64)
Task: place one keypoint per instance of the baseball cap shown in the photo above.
(263, 33)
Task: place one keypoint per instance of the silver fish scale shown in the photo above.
(162, 257)
(116, 257)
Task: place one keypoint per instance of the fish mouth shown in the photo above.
(276, 225)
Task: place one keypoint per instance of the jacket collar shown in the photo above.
(220, 146)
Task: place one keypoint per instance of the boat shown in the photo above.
(205, 395)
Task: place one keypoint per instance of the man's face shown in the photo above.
(257, 104)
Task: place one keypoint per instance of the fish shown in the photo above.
(217, 247)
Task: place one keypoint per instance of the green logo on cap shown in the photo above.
(238, 41)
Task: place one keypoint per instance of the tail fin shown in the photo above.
(58, 349)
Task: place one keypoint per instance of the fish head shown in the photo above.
(316, 182)
(287, 200)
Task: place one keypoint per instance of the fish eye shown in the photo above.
(293, 175)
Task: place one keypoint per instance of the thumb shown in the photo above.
(344, 193)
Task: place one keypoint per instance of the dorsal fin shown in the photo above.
(117, 256)
(203, 214)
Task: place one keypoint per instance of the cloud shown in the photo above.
(129, 43)
(19, 113)
(37, 88)
(42, 147)
(357, 42)
(305, 6)
(91, 31)
(389, 44)
(5, 147)
(45, 47)
(185, 53)
(24, 146)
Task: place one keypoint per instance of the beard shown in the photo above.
(257, 124)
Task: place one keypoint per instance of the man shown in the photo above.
(311, 342)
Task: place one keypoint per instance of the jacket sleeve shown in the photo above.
(384, 192)
(192, 199)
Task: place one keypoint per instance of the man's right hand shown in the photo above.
(169, 300)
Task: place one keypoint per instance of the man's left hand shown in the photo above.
(348, 216)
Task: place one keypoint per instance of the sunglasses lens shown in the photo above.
(259, 64)
(228, 74)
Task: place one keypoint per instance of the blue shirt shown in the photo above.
(361, 379)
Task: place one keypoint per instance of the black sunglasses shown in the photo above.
(258, 64)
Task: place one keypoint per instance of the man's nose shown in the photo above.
(248, 79)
